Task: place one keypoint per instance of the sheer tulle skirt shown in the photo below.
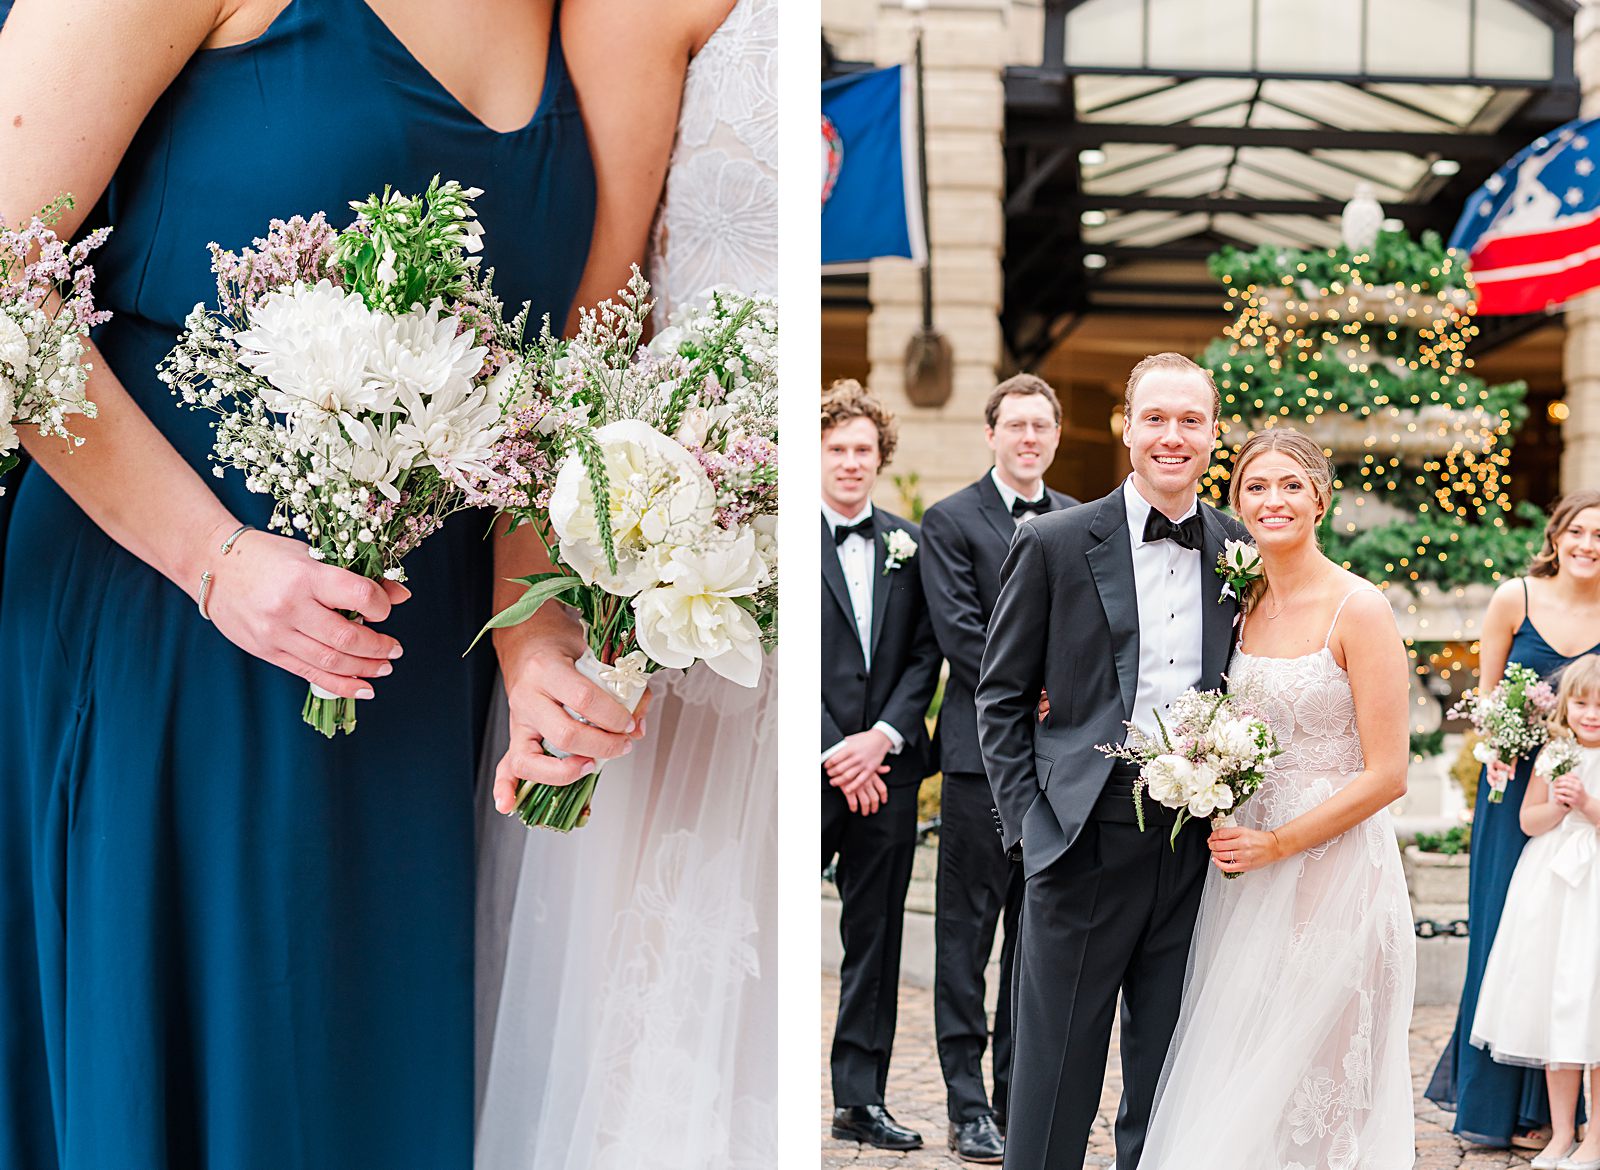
(1291, 1049)
(627, 1009)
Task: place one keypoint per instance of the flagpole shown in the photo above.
(928, 365)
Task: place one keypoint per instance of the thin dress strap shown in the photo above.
(1527, 606)
(1358, 589)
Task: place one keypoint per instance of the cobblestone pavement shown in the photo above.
(916, 1096)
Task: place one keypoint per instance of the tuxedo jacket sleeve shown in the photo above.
(955, 606)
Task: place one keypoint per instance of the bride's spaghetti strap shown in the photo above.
(1328, 637)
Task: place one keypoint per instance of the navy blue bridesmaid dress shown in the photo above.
(225, 941)
(1494, 1101)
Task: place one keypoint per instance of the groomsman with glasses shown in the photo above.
(880, 664)
(965, 538)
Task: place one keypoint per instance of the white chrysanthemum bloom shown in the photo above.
(8, 407)
(455, 430)
(15, 347)
(1167, 779)
(312, 344)
(422, 351)
(694, 617)
(370, 460)
(660, 499)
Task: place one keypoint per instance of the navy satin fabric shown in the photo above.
(225, 941)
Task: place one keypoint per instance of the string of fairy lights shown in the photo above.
(1367, 353)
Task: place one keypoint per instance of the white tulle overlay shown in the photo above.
(1539, 1003)
(1290, 1052)
(628, 999)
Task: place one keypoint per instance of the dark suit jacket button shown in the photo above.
(861, 676)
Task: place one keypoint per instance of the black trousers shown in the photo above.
(1113, 914)
(874, 871)
(977, 890)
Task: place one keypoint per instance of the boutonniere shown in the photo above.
(898, 548)
(1238, 564)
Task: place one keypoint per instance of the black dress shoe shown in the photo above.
(977, 1140)
(873, 1125)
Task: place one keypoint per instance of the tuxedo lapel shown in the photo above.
(880, 580)
(995, 511)
(1216, 613)
(833, 576)
(1111, 565)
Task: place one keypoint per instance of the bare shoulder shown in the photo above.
(681, 28)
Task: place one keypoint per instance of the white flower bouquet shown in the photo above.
(359, 379)
(1206, 760)
(1510, 720)
(651, 475)
(46, 312)
(1557, 758)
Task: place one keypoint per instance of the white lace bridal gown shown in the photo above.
(627, 971)
(1290, 1052)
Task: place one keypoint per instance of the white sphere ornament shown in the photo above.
(1362, 218)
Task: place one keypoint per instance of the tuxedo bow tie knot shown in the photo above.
(1184, 534)
(1021, 507)
(861, 528)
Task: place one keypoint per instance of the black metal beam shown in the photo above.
(1363, 79)
(1213, 204)
(1087, 134)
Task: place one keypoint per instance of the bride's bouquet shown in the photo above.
(1205, 760)
(46, 312)
(650, 472)
(359, 378)
(1510, 720)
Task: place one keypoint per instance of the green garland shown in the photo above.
(1394, 259)
(1472, 553)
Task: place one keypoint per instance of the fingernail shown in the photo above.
(396, 652)
(632, 725)
(641, 727)
(385, 669)
(627, 747)
(364, 693)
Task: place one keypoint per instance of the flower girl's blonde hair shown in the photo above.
(1290, 442)
(1580, 678)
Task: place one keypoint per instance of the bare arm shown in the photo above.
(1506, 610)
(1374, 656)
(1539, 813)
(77, 78)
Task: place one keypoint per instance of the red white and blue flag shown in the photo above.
(1532, 231)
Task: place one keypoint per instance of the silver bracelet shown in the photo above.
(205, 593)
(227, 545)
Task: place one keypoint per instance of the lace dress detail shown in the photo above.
(1291, 1049)
(718, 217)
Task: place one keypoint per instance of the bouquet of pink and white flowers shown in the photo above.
(1558, 757)
(1510, 720)
(650, 473)
(360, 379)
(1205, 760)
(46, 312)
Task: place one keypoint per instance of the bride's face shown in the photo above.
(1578, 546)
(1278, 502)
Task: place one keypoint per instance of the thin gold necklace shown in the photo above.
(1272, 617)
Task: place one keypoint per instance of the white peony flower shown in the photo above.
(1167, 780)
(765, 528)
(1234, 740)
(1484, 753)
(660, 500)
(1207, 798)
(15, 347)
(694, 428)
(694, 615)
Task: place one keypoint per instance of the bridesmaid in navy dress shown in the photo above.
(224, 940)
(1543, 623)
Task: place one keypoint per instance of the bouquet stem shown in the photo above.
(1224, 821)
(329, 713)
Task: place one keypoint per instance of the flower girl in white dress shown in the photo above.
(1540, 1000)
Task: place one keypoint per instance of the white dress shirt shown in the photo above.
(1009, 498)
(1166, 579)
(858, 557)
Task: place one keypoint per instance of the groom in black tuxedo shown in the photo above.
(880, 665)
(1112, 609)
(965, 538)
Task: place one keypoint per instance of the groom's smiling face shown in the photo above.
(1170, 431)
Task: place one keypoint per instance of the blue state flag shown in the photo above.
(871, 188)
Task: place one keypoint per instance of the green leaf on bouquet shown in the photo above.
(8, 461)
(541, 588)
(594, 462)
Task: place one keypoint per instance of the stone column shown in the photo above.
(1580, 434)
(965, 47)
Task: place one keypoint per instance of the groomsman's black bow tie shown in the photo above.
(1184, 534)
(861, 528)
(1021, 507)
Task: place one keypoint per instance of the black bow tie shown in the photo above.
(1021, 507)
(1184, 534)
(843, 532)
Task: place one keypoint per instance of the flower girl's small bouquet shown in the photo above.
(1558, 757)
(1206, 759)
(46, 312)
(651, 475)
(359, 379)
(1510, 720)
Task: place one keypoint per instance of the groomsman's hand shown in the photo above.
(1044, 706)
(865, 795)
(862, 754)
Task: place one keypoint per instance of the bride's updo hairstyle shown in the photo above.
(1545, 562)
(1319, 473)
